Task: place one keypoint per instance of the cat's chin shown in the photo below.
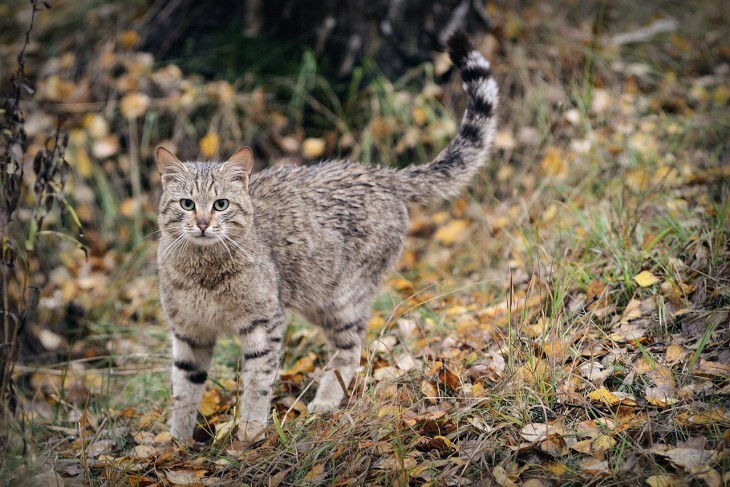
(204, 240)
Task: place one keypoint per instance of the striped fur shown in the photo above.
(317, 240)
(455, 166)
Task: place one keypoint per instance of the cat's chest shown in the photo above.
(209, 299)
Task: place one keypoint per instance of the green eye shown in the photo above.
(220, 205)
(187, 204)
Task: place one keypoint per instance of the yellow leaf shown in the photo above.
(163, 437)
(452, 232)
(128, 38)
(601, 444)
(376, 322)
(556, 468)
(209, 144)
(552, 162)
(419, 116)
(134, 104)
(605, 396)
(316, 475)
(313, 147)
(665, 481)
(210, 402)
(400, 284)
(429, 390)
(583, 446)
(645, 279)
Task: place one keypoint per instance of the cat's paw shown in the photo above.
(182, 433)
(322, 406)
(248, 432)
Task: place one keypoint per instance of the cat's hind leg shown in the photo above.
(344, 337)
(191, 360)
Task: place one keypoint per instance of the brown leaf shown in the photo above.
(444, 376)
(184, 477)
(316, 475)
(594, 466)
(535, 432)
(690, 459)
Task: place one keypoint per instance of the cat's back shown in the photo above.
(329, 178)
(331, 222)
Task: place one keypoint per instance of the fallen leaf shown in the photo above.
(594, 466)
(210, 402)
(675, 353)
(500, 476)
(665, 481)
(134, 105)
(184, 477)
(552, 163)
(142, 452)
(209, 144)
(316, 475)
(646, 279)
(689, 459)
(452, 232)
(313, 147)
(535, 432)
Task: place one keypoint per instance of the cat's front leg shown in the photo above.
(191, 360)
(261, 348)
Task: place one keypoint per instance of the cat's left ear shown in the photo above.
(239, 165)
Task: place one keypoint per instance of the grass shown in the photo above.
(525, 319)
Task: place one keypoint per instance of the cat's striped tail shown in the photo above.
(455, 166)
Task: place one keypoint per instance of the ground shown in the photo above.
(563, 322)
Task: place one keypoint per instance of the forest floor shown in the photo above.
(563, 322)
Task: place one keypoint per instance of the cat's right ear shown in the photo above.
(168, 164)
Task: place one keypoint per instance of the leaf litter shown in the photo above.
(554, 326)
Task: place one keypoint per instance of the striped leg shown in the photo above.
(191, 360)
(260, 347)
(345, 341)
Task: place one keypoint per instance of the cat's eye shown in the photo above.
(220, 205)
(187, 204)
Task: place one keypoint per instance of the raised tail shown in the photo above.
(455, 166)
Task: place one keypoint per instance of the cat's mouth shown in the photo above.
(204, 239)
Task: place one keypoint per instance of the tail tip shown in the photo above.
(459, 48)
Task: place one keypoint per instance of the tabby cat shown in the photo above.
(237, 250)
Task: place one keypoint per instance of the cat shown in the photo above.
(237, 250)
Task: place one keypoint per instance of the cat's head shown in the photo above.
(205, 203)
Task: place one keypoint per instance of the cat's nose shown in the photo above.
(202, 226)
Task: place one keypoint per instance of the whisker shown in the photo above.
(225, 246)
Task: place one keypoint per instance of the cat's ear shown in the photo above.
(168, 164)
(239, 165)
